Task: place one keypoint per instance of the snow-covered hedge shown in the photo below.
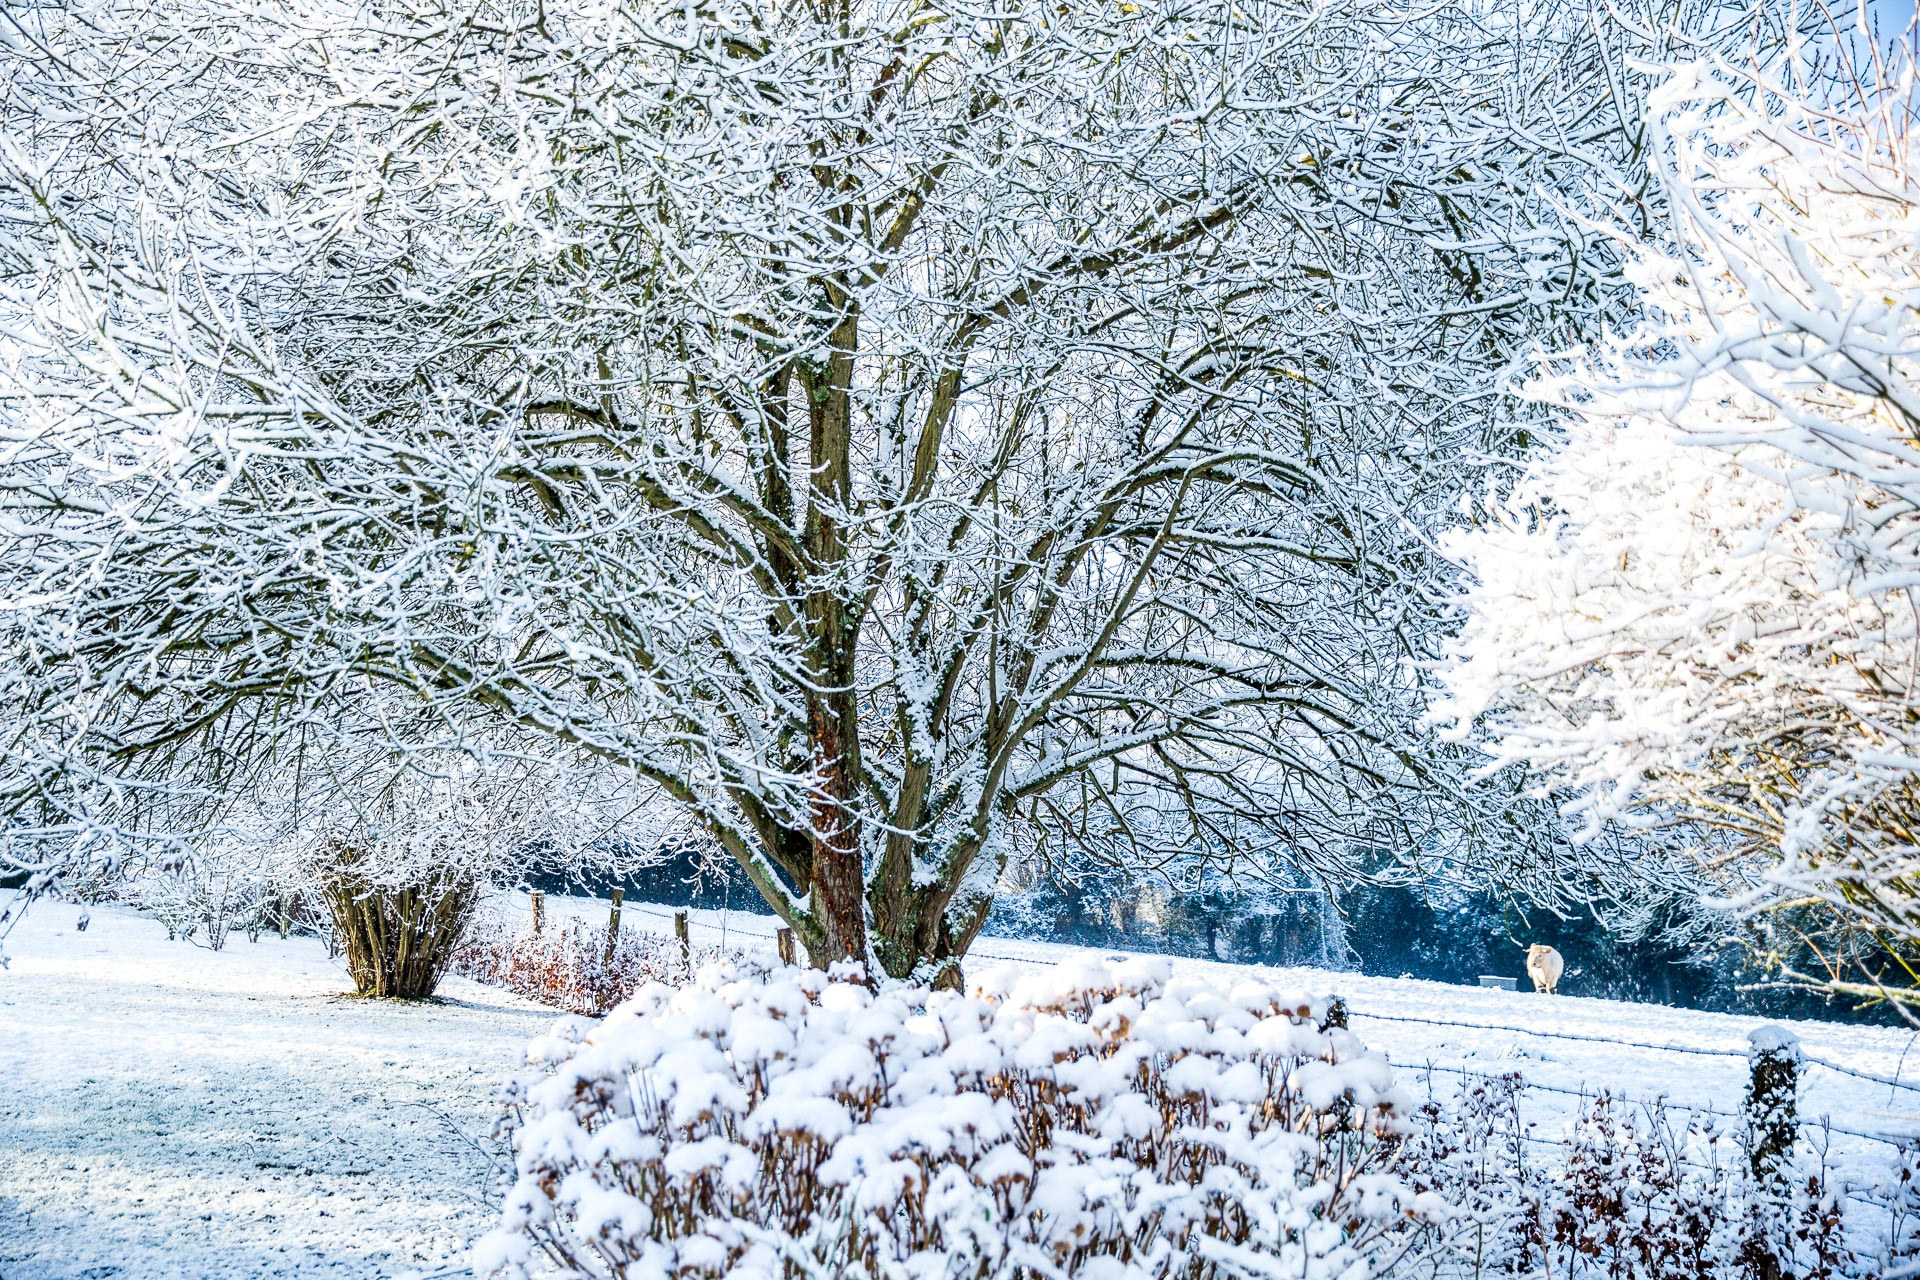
(1099, 1121)
(1635, 1191)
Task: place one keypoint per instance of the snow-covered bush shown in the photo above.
(1703, 602)
(1627, 1201)
(1896, 1192)
(204, 897)
(382, 833)
(571, 965)
(1628, 1192)
(1476, 1156)
(397, 927)
(241, 874)
(405, 849)
(1098, 1121)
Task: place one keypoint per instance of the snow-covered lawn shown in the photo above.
(166, 1111)
(169, 1112)
(1433, 1032)
(1710, 1080)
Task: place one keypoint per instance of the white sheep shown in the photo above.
(1544, 966)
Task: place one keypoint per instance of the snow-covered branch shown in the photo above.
(856, 420)
(1702, 602)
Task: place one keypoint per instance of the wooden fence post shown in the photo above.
(539, 909)
(1336, 1014)
(686, 944)
(1773, 1095)
(613, 922)
(783, 939)
(1772, 1104)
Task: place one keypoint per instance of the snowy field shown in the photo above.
(173, 1112)
(1566, 1046)
(1704, 1081)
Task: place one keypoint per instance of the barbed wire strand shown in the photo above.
(1352, 1012)
(1551, 1035)
(1672, 1104)
(1890, 1081)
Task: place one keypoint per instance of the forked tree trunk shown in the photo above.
(920, 934)
(397, 941)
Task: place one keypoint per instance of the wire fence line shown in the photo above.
(630, 909)
(724, 928)
(1890, 1081)
(1484, 1074)
(1824, 1120)
(1653, 1046)
(727, 927)
(521, 906)
(1552, 1035)
(1545, 1140)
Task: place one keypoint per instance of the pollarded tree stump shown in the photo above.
(398, 940)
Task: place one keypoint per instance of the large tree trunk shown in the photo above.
(837, 889)
(923, 935)
(837, 881)
(397, 941)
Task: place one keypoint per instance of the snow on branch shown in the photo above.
(1702, 600)
(861, 422)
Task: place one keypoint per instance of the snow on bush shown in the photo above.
(205, 896)
(1637, 1192)
(1098, 1120)
(571, 965)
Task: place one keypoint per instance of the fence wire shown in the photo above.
(727, 927)
(1551, 1035)
(1891, 1082)
(1676, 1106)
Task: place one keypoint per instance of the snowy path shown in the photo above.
(168, 1112)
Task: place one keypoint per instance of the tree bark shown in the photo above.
(838, 886)
(397, 941)
(920, 933)
(837, 880)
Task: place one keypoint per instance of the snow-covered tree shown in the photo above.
(1700, 603)
(372, 827)
(876, 423)
(400, 848)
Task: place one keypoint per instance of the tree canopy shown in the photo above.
(883, 426)
(1699, 608)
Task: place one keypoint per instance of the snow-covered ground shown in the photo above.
(1523, 1031)
(1568, 1047)
(167, 1111)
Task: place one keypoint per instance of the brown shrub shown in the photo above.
(570, 965)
